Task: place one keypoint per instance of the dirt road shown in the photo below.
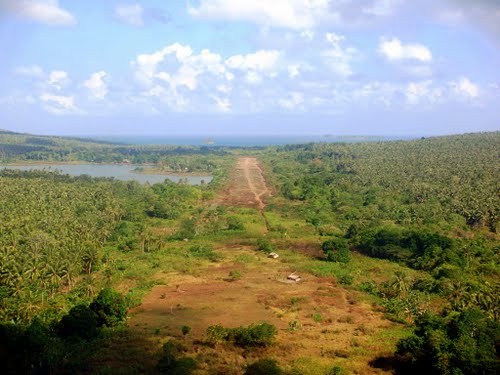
(247, 186)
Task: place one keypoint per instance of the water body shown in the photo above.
(239, 141)
(119, 172)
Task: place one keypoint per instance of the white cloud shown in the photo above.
(293, 70)
(222, 104)
(415, 91)
(130, 13)
(58, 79)
(337, 57)
(168, 73)
(293, 101)
(58, 104)
(263, 60)
(29, 71)
(465, 88)
(253, 78)
(294, 14)
(307, 34)
(43, 11)
(96, 85)
(394, 50)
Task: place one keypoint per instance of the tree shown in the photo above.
(462, 344)
(336, 250)
(110, 307)
(80, 322)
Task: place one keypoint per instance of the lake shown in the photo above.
(117, 171)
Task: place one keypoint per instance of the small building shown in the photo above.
(294, 277)
(273, 255)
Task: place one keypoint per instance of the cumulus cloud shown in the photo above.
(95, 84)
(130, 13)
(43, 11)
(418, 91)
(262, 60)
(338, 58)
(58, 79)
(169, 72)
(58, 104)
(395, 50)
(465, 88)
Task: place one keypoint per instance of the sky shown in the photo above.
(357, 67)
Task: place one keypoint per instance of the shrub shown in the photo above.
(369, 287)
(185, 330)
(234, 223)
(234, 275)
(345, 279)
(264, 366)
(317, 318)
(262, 334)
(336, 250)
(254, 335)
(110, 307)
(80, 322)
(216, 334)
(204, 252)
(264, 245)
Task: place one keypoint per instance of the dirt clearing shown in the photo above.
(317, 319)
(247, 186)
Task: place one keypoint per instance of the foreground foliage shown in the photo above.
(460, 344)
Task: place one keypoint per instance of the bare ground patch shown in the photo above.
(316, 318)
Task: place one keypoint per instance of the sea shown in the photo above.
(240, 140)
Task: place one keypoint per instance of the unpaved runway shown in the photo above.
(247, 186)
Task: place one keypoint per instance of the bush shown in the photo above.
(336, 250)
(264, 366)
(264, 245)
(110, 307)
(462, 344)
(254, 335)
(216, 334)
(370, 287)
(203, 252)
(80, 322)
(234, 223)
(185, 330)
(262, 334)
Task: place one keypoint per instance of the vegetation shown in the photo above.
(409, 228)
(262, 334)
(463, 343)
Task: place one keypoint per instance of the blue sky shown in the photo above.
(381, 67)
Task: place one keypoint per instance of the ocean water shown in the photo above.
(239, 140)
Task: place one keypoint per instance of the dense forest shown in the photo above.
(410, 227)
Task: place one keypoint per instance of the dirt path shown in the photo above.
(247, 186)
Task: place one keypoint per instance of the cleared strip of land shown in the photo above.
(247, 186)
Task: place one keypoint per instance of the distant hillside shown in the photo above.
(15, 147)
